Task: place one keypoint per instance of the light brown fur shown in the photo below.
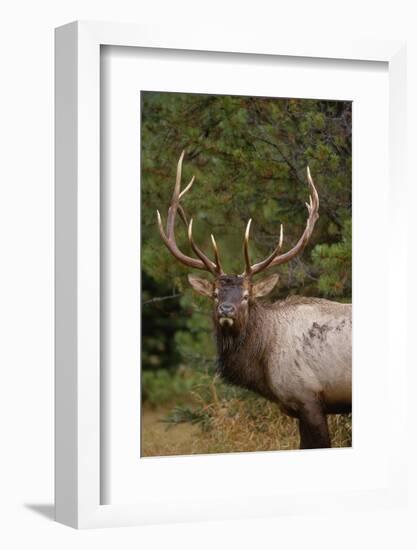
(295, 352)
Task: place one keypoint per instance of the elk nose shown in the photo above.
(227, 310)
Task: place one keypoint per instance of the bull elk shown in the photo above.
(295, 352)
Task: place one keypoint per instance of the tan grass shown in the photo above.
(232, 425)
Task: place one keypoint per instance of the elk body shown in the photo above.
(294, 352)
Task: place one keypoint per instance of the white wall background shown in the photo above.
(26, 272)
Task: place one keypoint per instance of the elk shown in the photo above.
(295, 352)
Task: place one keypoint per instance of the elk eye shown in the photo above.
(245, 297)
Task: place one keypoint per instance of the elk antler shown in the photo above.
(275, 258)
(168, 237)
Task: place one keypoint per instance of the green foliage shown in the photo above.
(334, 262)
(188, 413)
(160, 322)
(161, 386)
(195, 342)
(249, 156)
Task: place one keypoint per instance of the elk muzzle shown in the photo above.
(226, 313)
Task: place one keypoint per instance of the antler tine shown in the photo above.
(217, 266)
(275, 258)
(168, 237)
(216, 254)
(172, 210)
(175, 251)
(187, 188)
(267, 262)
(183, 215)
(314, 197)
(248, 269)
(208, 263)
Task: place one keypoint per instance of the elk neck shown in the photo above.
(242, 354)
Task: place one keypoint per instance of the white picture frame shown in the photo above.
(78, 405)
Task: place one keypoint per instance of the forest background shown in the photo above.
(249, 157)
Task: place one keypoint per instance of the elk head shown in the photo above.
(232, 295)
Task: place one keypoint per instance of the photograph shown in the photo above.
(208, 275)
(246, 273)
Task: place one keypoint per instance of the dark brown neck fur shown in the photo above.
(241, 355)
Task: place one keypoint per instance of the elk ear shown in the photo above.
(202, 286)
(264, 287)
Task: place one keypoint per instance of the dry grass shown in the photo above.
(214, 423)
